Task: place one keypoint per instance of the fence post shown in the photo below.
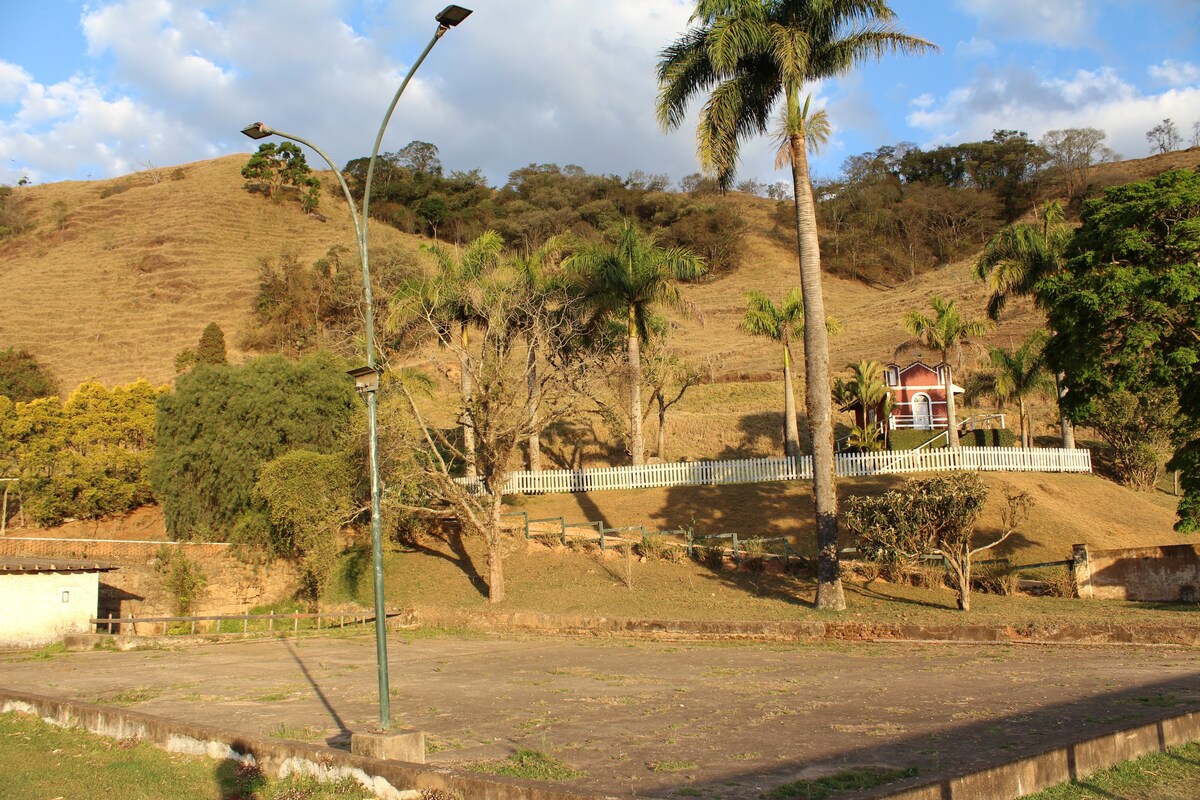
(689, 542)
(737, 559)
(1082, 571)
(600, 527)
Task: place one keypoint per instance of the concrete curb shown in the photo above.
(391, 780)
(803, 631)
(1057, 765)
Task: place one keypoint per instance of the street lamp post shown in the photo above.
(449, 17)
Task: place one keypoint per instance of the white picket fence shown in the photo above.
(758, 470)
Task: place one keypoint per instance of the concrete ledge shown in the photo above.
(801, 631)
(1057, 765)
(392, 780)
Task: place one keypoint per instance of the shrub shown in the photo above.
(754, 555)
(912, 439)
(928, 575)
(712, 556)
(655, 549)
(182, 578)
(1060, 582)
(997, 578)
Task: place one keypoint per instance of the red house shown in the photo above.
(918, 396)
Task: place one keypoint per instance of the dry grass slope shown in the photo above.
(113, 287)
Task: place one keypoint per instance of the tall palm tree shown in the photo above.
(946, 330)
(625, 282)
(449, 297)
(1017, 375)
(747, 56)
(541, 279)
(1015, 259)
(782, 323)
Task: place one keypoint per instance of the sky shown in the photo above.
(105, 88)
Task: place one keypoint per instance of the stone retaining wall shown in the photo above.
(137, 588)
(1168, 573)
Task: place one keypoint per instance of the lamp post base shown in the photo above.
(406, 746)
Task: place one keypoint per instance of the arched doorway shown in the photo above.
(922, 412)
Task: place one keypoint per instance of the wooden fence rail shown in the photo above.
(758, 470)
(164, 624)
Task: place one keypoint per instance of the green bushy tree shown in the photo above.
(22, 378)
(276, 167)
(222, 423)
(83, 458)
(1125, 308)
(308, 497)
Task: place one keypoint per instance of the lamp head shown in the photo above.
(258, 130)
(452, 15)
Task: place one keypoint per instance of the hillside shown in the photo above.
(118, 276)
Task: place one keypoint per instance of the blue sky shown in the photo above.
(104, 88)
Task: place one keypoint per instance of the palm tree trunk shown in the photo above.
(534, 459)
(791, 430)
(662, 427)
(818, 399)
(466, 387)
(951, 411)
(1024, 435)
(636, 446)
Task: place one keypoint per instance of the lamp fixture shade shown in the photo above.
(452, 15)
(258, 130)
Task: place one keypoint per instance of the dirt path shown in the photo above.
(652, 719)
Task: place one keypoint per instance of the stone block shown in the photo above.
(390, 745)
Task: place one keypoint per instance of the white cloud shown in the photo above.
(566, 81)
(1061, 22)
(976, 48)
(922, 101)
(1175, 73)
(1020, 98)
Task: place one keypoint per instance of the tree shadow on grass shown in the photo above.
(449, 533)
(867, 590)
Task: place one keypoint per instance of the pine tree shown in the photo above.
(211, 349)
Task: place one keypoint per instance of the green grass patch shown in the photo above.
(129, 697)
(672, 766)
(305, 733)
(849, 781)
(532, 764)
(1173, 775)
(40, 761)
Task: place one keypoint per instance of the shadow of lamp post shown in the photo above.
(367, 378)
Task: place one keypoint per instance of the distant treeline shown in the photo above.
(899, 210)
(411, 192)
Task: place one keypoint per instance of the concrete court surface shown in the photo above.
(651, 718)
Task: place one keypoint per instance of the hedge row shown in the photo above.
(912, 439)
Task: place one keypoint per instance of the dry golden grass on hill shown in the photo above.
(117, 276)
(113, 287)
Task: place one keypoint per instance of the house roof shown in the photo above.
(954, 387)
(29, 564)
